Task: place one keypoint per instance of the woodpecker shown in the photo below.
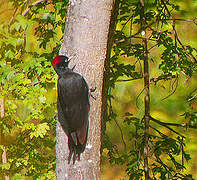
(73, 106)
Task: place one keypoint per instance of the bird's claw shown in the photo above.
(92, 90)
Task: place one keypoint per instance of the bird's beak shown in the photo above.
(69, 59)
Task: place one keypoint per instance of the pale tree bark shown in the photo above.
(86, 37)
(4, 155)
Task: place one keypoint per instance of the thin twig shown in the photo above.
(173, 90)
(158, 160)
(178, 125)
(193, 97)
(138, 98)
(110, 109)
(33, 84)
(187, 20)
(182, 149)
(125, 80)
(179, 41)
(127, 22)
(139, 37)
(12, 18)
(166, 8)
(33, 4)
(161, 134)
(136, 37)
(165, 125)
(121, 133)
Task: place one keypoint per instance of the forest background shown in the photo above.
(31, 37)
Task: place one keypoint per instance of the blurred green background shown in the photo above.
(128, 97)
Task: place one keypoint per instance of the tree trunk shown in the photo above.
(86, 37)
(147, 95)
(4, 154)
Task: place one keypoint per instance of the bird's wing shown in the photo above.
(73, 97)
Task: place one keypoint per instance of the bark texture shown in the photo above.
(86, 36)
(4, 154)
(106, 76)
(147, 95)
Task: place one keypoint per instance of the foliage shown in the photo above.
(29, 41)
(176, 60)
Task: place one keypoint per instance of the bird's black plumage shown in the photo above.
(73, 106)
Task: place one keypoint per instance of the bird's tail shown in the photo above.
(76, 147)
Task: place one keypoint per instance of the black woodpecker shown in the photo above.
(73, 106)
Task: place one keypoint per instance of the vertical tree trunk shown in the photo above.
(86, 36)
(147, 95)
(106, 75)
(4, 156)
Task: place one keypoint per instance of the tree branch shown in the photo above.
(121, 133)
(125, 80)
(179, 41)
(4, 155)
(147, 94)
(173, 89)
(33, 84)
(173, 124)
(187, 20)
(166, 125)
(33, 4)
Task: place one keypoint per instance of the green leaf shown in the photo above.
(5, 166)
